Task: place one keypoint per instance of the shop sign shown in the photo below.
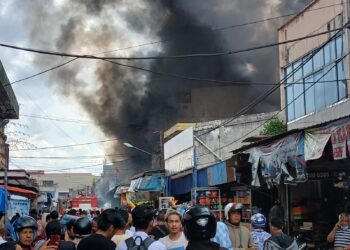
(324, 175)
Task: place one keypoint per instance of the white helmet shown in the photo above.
(231, 207)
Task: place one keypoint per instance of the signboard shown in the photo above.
(17, 204)
(179, 143)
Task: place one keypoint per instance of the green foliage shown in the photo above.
(274, 127)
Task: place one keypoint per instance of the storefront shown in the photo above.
(146, 188)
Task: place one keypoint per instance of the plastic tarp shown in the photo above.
(274, 158)
(154, 182)
(134, 185)
(2, 199)
(181, 185)
(217, 174)
(202, 176)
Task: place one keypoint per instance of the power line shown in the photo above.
(276, 115)
(65, 157)
(271, 90)
(40, 73)
(58, 119)
(185, 56)
(161, 41)
(66, 146)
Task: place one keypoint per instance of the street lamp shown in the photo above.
(131, 146)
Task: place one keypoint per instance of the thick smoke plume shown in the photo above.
(132, 104)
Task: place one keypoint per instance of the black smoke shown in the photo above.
(132, 104)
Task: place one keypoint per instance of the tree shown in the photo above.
(273, 127)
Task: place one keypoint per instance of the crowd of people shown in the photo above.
(143, 228)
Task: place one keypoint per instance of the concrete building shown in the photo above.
(60, 186)
(210, 144)
(316, 88)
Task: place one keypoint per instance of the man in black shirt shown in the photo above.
(160, 230)
(108, 222)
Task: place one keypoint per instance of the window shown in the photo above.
(318, 59)
(339, 46)
(290, 103)
(320, 102)
(341, 80)
(330, 85)
(48, 183)
(307, 65)
(299, 106)
(315, 81)
(309, 94)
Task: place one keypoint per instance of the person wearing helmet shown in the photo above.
(81, 229)
(25, 231)
(259, 235)
(199, 228)
(239, 235)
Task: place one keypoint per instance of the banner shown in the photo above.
(316, 140)
(273, 160)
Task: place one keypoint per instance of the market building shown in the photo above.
(12, 194)
(308, 165)
(199, 165)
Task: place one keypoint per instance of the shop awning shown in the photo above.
(155, 182)
(181, 185)
(20, 191)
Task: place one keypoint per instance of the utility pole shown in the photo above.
(161, 151)
(195, 170)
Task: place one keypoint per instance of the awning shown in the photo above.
(181, 185)
(20, 191)
(154, 182)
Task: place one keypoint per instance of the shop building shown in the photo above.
(198, 163)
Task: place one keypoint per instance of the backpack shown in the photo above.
(144, 244)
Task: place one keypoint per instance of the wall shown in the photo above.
(228, 137)
(313, 20)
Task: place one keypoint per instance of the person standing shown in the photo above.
(108, 222)
(160, 230)
(176, 238)
(121, 234)
(222, 236)
(25, 231)
(279, 240)
(340, 234)
(259, 235)
(142, 217)
(239, 235)
(199, 228)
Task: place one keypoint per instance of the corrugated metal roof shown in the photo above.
(11, 107)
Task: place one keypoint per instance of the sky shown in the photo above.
(89, 100)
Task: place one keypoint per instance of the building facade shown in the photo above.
(314, 71)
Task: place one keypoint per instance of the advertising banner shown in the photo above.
(274, 158)
(316, 140)
(17, 204)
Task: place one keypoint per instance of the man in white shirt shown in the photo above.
(142, 217)
(176, 239)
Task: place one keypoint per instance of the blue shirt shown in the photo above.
(259, 237)
(222, 236)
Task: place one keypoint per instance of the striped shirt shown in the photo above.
(342, 238)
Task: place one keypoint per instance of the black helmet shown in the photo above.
(82, 226)
(199, 224)
(21, 223)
